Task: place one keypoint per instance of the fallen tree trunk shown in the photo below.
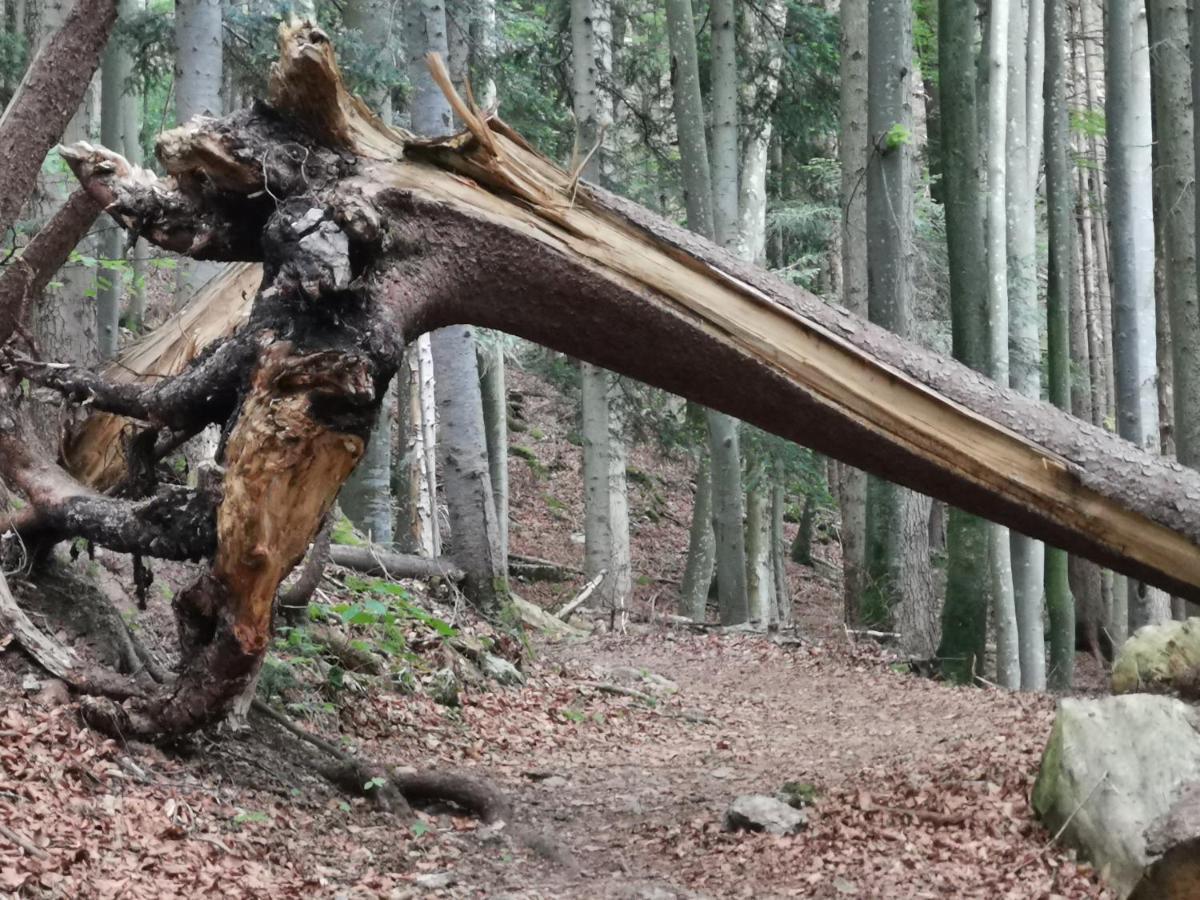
(370, 236)
(380, 562)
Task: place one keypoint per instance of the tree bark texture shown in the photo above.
(854, 146)
(964, 614)
(383, 236)
(1131, 197)
(1060, 285)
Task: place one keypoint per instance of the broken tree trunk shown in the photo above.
(370, 236)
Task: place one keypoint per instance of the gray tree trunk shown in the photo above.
(758, 549)
(698, 570)
(964, 615)
(64, 322)
(115, 71)
(1008, 667)
(854, 145)
(198, 75)
(723, 430)
(899, 584)
(374, 21)
(606, 521)
(462, 444)
(1176, 170)
(1131, 201)
(1023, 163)
(779, 549)
(689, 117)
(366, 497)
(1060, 306)
(495, 421)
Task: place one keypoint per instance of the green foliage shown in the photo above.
(343, 533)
(897, 136)
(1088, 122)
(925, 38)
(14, 55)
(248, 817)
(386, 605)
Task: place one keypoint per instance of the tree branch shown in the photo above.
(26, 276)
(48, 96)
(193, 223)
(203, 394)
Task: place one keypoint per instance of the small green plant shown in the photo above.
(375, 783)
(249, 817)
(419, 828)
(896, 137)
(343, 533)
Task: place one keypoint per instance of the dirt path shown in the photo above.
(615, 798)
(637, 794)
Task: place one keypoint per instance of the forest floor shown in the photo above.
(919, 789)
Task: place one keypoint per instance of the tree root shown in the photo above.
(396, 791)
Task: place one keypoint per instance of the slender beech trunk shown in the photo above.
(1024, 340)
(366, 497)
(1176, 170)
(1060, 204)
(964, 615)
(131, 141)
(65, 322)
(1087, 388)
(854, 145)
(495, 421)
(1008, 666)
(605, 529)
(698, 197)
(198, 76)
(897, 550)
(1131, 200)
(462, 445)
(114, 75)
(758, 550)
(728, 513)
(698, 571)
(783, 594)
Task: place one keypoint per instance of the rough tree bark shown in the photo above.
(1008, 667)
(1130, 139)
(897, 551)
(723, 438)
(381, 236)
(1060, 283)
(964, 615)
(854, 146)
(1023, 163)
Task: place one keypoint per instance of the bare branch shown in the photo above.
(25, 277)
(202, 394)
(49, 94)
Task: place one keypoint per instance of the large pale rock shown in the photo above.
(1113, 769)
(758, 812)
(1160, 657)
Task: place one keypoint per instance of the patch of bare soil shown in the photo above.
(921, 789)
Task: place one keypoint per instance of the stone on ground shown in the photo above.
(1115, 768)
(758, 812)
(1160, 658)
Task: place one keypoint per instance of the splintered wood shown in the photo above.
(282, 473)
